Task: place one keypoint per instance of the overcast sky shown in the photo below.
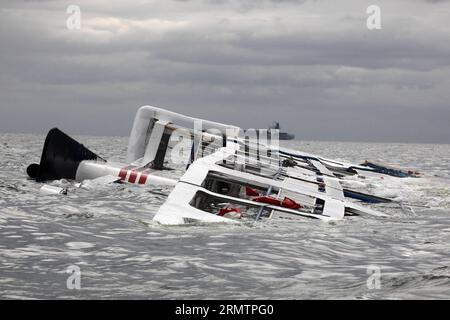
(312, 65)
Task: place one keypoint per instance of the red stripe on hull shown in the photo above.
(123, 174)
(133, 176)
(142, 179)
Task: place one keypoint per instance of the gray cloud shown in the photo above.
(310, 64)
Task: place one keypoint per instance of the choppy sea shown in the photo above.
(108, 233)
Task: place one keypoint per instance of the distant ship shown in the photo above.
(282, 135)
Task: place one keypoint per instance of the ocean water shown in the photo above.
(108, 233)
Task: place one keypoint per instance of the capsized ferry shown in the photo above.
(229, 176)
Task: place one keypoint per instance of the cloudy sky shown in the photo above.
(312, 65)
